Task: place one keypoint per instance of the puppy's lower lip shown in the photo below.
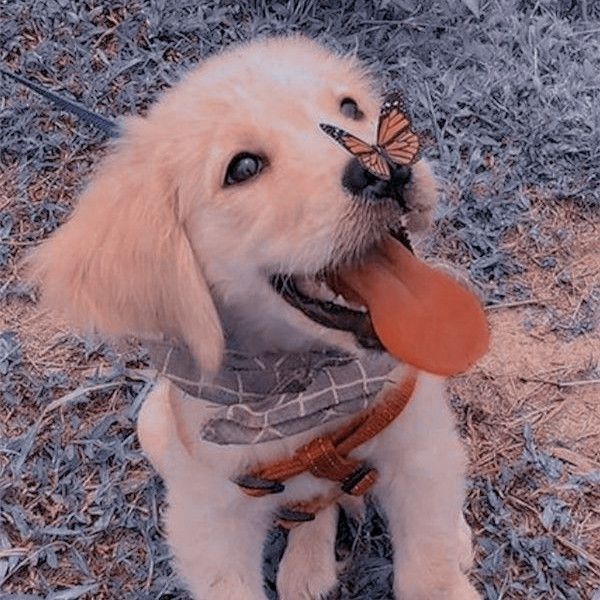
(401, 235)
(328, 314)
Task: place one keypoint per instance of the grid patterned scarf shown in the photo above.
(275, 395)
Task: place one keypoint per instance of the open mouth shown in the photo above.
(392, 301)
(321, 300)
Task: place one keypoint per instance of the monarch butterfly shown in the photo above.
(396, 141)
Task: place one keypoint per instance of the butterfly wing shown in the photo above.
(394, 132)
(375, 163)
(368, 156)
(405, 149)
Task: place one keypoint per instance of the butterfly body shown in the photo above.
(397, 143)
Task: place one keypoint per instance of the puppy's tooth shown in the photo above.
(342, 301)
(326, 292)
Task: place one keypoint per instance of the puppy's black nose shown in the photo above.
(359, 181)
(400, 175)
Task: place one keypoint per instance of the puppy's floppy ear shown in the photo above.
(123, 263)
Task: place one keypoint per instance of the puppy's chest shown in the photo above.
(273, 396)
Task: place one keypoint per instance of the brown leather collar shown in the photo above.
(327, 457)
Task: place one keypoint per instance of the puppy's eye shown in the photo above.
(349, 108)
(243, 166)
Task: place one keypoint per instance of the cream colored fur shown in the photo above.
(158, 245)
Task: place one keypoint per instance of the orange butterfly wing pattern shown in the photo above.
(396, 140)
(376, 164)
(405, 149)
(395, 135)
(368, 156)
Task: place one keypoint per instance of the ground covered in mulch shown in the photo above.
(508, 94)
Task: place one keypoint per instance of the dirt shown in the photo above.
(542, 371)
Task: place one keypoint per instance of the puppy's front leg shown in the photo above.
(216, 533)
(308, 570)
(218, 552)
(421, 488)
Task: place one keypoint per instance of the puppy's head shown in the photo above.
(227, 190)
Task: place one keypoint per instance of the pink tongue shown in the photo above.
(422, 316)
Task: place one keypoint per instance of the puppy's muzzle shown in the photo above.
(362, 183)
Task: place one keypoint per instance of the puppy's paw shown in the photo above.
(311, 577)
(421, 196)
(308, 570)
(354, 506)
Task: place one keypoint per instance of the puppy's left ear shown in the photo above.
(123, 263)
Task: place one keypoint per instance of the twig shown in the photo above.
(588, 31)
(13, 552)
(136, 374)
(513, 304)
(578, 550)
(80, 391)
(436, 129)
(578, 382)
(562, 384)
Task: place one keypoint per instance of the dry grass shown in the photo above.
(510, 98)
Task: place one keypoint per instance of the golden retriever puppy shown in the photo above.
(226, 183)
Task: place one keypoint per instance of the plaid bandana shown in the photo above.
(273, 396)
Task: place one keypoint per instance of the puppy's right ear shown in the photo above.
(421, 196)
(123, 263)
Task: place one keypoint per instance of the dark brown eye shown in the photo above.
(349, 108)
(243, 166)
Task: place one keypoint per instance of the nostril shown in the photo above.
(372, 179)
(401, 175)
(380, 188)
(355, 177)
